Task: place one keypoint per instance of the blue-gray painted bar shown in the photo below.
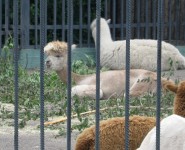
(70, 40)
(158, 101)
(42, 44)
(25, 22)
(154, 18)
(0, 25)
(105, 8)
(177, 25)
(138, 18)
(88, 22)
(127, 78)
(63, 20)
(170, 20)
(114, 20)
(121, 36)
(16, 79)
(98, 15)
(80, 30)
(147, 19)
(7, 15)
(55, 19)
(36, 24)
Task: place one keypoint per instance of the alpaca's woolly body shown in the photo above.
(172, 127)
(172, 135)
(111, 82)
(143, 53)
(137, 132)
(112, 133)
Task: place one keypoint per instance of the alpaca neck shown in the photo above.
(105, 36)
(75, 77)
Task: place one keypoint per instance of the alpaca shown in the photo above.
(112, 130)
(141, 81)
(143, 53)
(172, 127)
(172, 135)
(112, 133)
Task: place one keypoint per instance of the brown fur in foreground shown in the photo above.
(112, 133)
(112, 130)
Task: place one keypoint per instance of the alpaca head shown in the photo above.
(56, 53)
(104, 28)
(179, 100)
(179, 89)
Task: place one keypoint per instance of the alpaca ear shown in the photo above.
(108, 21)
(172, 87)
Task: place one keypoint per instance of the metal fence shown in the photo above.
(141, 23)
(143, 20)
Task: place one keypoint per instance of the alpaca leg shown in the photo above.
(85, 91)
(140, 88)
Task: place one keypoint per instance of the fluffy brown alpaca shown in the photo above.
(112, 133)
(112, 130)
(172, 135)
(179, 100)
(111, 82)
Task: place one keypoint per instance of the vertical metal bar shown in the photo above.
(138, 18)
(170, 19)
(114, 20)
(154, 19)
(159, 45)
(43, 42)
(183, 24)
(46, 20)
(25, 21)
(55, 18)
(63, 20)
(127, 78)
(106, 12)
(80, 35)
(70, 38)
(16, 79)
(147, 20)
(98, 14)
(6, 19)
(122, 8)
(88, 22)
(0, 25)
(177, 25)
(36, 24)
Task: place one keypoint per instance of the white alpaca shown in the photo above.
(173, 127)
(112, 83)
(143, 53)
(172, 135)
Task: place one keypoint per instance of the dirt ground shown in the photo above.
(29, 137)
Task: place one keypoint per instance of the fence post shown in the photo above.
(16, 81)
(0, 26)
(25, 23)
(127, 70)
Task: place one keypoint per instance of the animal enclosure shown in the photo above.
(31, 24)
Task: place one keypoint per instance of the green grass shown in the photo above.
(56, 101)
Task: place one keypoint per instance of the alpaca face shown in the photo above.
(55, 62)
(56, 52)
